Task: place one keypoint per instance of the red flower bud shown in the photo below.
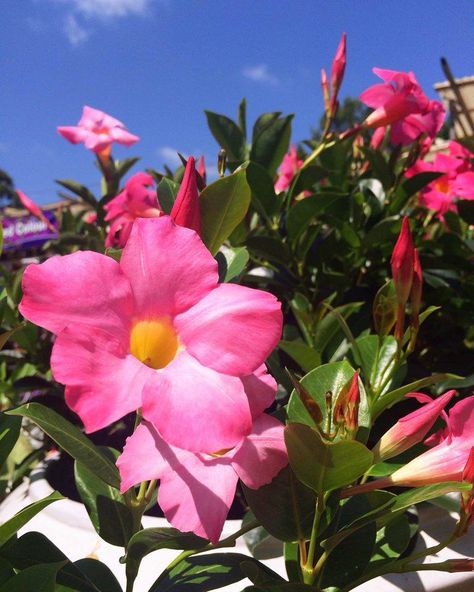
(338, 67)
(402, 262)
(186, 210)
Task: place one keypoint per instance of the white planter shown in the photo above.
(68, 526)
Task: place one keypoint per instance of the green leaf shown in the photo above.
(284, 507)
(466, 210)
(261, 544)
(261, 185)
(269, 247)
(224, 204)
(228, 135)
(202, 573)
(302, 213)
(231, 262)
(292, 561)
(307, 357)
(377, 357)
(328, 378)
(39, 578)
(78, 189)
(417, 182)
(4, 337)
(287, 587)
(70, 439)
(9, 433)
(392, 540)
(99, 573)
(106, 506)
(167, 191)
(271, 140)
(242, 117)
(426, 493)
(148, 540)
(10, 527)
(321, 465)
(123, 166)
(6, 571)
(330, 324)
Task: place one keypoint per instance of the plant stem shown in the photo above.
(309, 572)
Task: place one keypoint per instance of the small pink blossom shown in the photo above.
(290, 165)
(35, 210)
(137, 200)
(97, 130)
(197, 489)
(400, 102)
(155, 331)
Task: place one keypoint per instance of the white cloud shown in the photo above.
(110, 8)
(170, 155)
(75, 33)
(260, 73)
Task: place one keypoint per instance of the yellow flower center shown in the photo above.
(442, 185)
(154, 342)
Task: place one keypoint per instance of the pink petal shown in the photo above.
(122, 136)
(262, 454)
(93, 117)
(260, 388)
(195, 491)
(168, 266)
(376, 95)
(72, 133)
(233, 329)
(461, 418)
(97, 142)
(196, 408)
(84, 287)
(104, 382)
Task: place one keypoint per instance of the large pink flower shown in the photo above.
(290, 165)
(154, 331)
(97, 130)
(400, 102)
(137, 200)
(197, 489)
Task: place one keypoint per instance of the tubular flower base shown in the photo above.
(155, 331)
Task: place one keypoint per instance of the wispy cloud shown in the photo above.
(111, 8)
(170, 155)
(75, 32)
(260, 73)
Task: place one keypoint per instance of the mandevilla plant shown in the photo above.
(249, 339)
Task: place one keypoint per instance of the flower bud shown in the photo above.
(186, 210)
(402, 263)
(338, 68)
(346, 409)
(464, 564)
(325, 88)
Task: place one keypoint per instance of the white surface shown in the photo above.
(67, 525)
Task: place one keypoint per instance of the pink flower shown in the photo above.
(186, 210)
(197, 489)
(289, 167)
(155, 331)
(400, 102)
(412, 428)
(97, 130)
(90, 217)
(137, 200)
(35, 210)
(447, 460)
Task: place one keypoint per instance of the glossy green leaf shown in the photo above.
(426, 493)
(70, 439)
(307, 357)
(4, 337)
(330, 325)
(9, 433)
(261, 185)
(292, 561)
(99, 573)
(261, 544)
(287, 587)
(231, 262)
(377, 356)
(224, 204)
(228, 135)
(78, 189)
(284, 507)
(109, 514)
(167, 191)
(302, 212)
(38, 578)
(148, 540)
(269, 247)
(258, 573)
(324, 466)
(10, 527)
(271, 140)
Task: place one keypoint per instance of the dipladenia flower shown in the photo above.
(412, 428)
(97, 130)
(400, 102)
(137, 200)
(35, 210)
(402, 263)
(197, 490)
(155, 331)
(186, 210)
(290, 165)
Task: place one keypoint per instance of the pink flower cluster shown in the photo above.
(157, 332)
(456, 182)
(401, 103)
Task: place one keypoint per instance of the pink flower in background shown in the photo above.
(137, 200)
(290, 165)
(97, 131)
(457, 181)
(155, 331)
(400, 102)
(412, 428)
(197, 489)
(186, 210)
(35, 210)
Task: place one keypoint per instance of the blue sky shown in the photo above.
(157, 64)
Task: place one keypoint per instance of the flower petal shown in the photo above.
(104, 382)
(233, 329)
(168, 266)
(260, 388)
(72, 133)
(262, 454)
(196, 408)
(84, 287)
(195, 492)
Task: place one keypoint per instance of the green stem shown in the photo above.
(309, 573)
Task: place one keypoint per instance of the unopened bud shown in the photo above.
(346, 409)
(325, 88)
(221, 162)
(465, 564)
